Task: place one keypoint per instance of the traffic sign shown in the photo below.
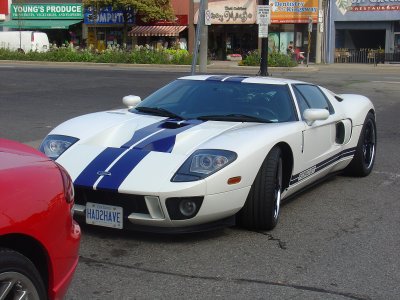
(263, 14)
(262, 30)
(310, 20)
(207, 17)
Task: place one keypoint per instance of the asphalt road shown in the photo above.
(339, 240)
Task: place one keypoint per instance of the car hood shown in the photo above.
(120, 149)
(15, 155)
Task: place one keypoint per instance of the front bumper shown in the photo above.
(150, 213)
(66, 267)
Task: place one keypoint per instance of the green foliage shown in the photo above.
(138, 55)
(274, 60)
(113, 54)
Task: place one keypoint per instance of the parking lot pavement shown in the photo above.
(339, 240)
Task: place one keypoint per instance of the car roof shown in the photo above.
(243, 79)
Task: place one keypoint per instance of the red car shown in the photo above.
(39, 240)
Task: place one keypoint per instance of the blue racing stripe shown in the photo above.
(143, 132)
(164, 141)
(89, 175)
(121, 169)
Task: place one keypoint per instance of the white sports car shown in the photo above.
(205, 151)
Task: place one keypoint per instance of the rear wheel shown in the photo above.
(19, 279)
(262, 207)
(364, 158)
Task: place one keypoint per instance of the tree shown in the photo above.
(146, 10)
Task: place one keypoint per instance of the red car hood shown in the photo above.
(14, 154)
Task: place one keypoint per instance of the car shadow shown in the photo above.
(113, 234)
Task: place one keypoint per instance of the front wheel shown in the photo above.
(364, 157)
(19, 279)
(262, 207)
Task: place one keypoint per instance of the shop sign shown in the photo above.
(345, 6)
(285, 11)
(230, 12)
(46, 11)
(107, 16)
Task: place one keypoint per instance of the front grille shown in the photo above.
(129, 203)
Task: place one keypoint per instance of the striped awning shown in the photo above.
(156, 30)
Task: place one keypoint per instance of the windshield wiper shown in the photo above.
(158, 111)
(234, 118)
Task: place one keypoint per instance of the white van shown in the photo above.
(24, 41)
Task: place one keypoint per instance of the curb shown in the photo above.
(221, 67)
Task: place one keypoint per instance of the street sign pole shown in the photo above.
(203, 39)
(310, 24)
(200, 24)
(264, 42)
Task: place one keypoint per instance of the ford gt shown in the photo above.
(207, 151)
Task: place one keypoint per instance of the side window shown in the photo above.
(312, 96)
(303, 105)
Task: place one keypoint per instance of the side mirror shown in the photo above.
(131, 101)
(314, 114)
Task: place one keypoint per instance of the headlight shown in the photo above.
(203, 163)
(54, 145)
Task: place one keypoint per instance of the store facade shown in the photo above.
(104, 27)
(61, 21)
(360, 28)
(162, 33)
(233, 28)
(289, 25)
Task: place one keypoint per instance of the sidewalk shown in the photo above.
(215, 67)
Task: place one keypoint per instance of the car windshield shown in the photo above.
(220, 101)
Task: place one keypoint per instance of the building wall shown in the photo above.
(181, 7)
(362, 15)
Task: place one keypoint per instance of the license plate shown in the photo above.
(104, 215)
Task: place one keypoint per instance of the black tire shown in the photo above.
(262, 207)
(364, 157)
(18, 275)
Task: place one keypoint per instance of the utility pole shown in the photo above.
(264, 50)
(320, 24)
(310, 25)
(203, 38)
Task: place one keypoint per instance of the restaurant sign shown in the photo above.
(46, 11)
(345, 6)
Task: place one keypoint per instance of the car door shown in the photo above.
(320, 146)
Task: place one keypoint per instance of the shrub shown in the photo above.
(138, 55)
(274, 60)
(113, 54)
